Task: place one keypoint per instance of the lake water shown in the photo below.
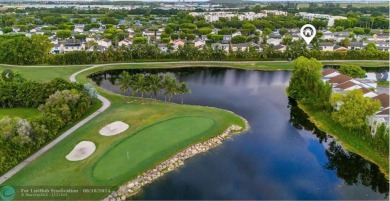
(283, 156)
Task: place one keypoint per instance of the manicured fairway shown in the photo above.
(24, 113)
(139, 150)
(41, 74)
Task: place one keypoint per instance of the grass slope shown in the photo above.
(348, 140)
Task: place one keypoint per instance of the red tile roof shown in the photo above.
(383, 98)
(339, 79)
(384, 112)
(346, 85)
(365, 90)
(327, 72)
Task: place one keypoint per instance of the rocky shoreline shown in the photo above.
(134, 186)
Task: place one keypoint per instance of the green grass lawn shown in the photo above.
(157, 131)
(42, 74)
(383, 83)
(347, 139)
(24, 113)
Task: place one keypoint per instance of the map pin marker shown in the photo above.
(308, 32)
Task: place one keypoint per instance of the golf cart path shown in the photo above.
(20, 166)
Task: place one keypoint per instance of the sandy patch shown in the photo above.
(113, 128)
(81, 151)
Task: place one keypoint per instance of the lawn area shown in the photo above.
(24, 113)
(42, 74)
(365, 63)
(383, 83)
(157, 131)
(347, 139)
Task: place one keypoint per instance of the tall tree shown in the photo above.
(353, 109)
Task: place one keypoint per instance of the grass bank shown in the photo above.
(348, 140)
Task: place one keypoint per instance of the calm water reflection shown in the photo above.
(283, 156)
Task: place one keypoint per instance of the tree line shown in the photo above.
(350, 110)
(152, 85)
(59, 103)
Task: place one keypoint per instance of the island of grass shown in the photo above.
(157, 131)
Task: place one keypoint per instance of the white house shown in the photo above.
(198, 42)
(326, 46)
(274, 41)
(125, 42)
(70, 46)
(104, 43)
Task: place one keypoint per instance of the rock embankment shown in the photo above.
(134, 186)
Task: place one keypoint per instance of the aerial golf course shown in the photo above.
(157, 130)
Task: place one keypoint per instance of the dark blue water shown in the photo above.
(283, 156)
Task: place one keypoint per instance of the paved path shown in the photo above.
(16, 169)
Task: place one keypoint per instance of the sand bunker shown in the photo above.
(81, 151)
(114, 128)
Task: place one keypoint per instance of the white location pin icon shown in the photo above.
(308, 32)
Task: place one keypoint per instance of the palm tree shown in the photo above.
(154, 84)
(165, 84)
(171, 89)
(125, 81)
(139, 85)
(183, 89)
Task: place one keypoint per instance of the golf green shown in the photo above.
(130, 155)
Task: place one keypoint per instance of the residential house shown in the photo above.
(329, 73)
(148, 33)
(226, 38)
(198, 42)
(274, 41)
(339, 48)
(178, 42)
(382, 117)
(275, 35)
(56, 49)
(382, 37)
(163, 47)
(72, 45)
(368, 93)
(328, 35)
(339, 79)
(104, 43)
(356, 46)
(347, 86)
(125, 42)
(79, 28)
(384, 99)
(382, 45)
(280, 47)
(326, 46)
(339, 36)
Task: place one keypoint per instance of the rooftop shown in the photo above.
(340, 79)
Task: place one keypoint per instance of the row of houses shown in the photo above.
(342, 83)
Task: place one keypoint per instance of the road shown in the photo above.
(20, 166)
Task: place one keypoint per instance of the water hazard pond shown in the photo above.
(283, 156)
